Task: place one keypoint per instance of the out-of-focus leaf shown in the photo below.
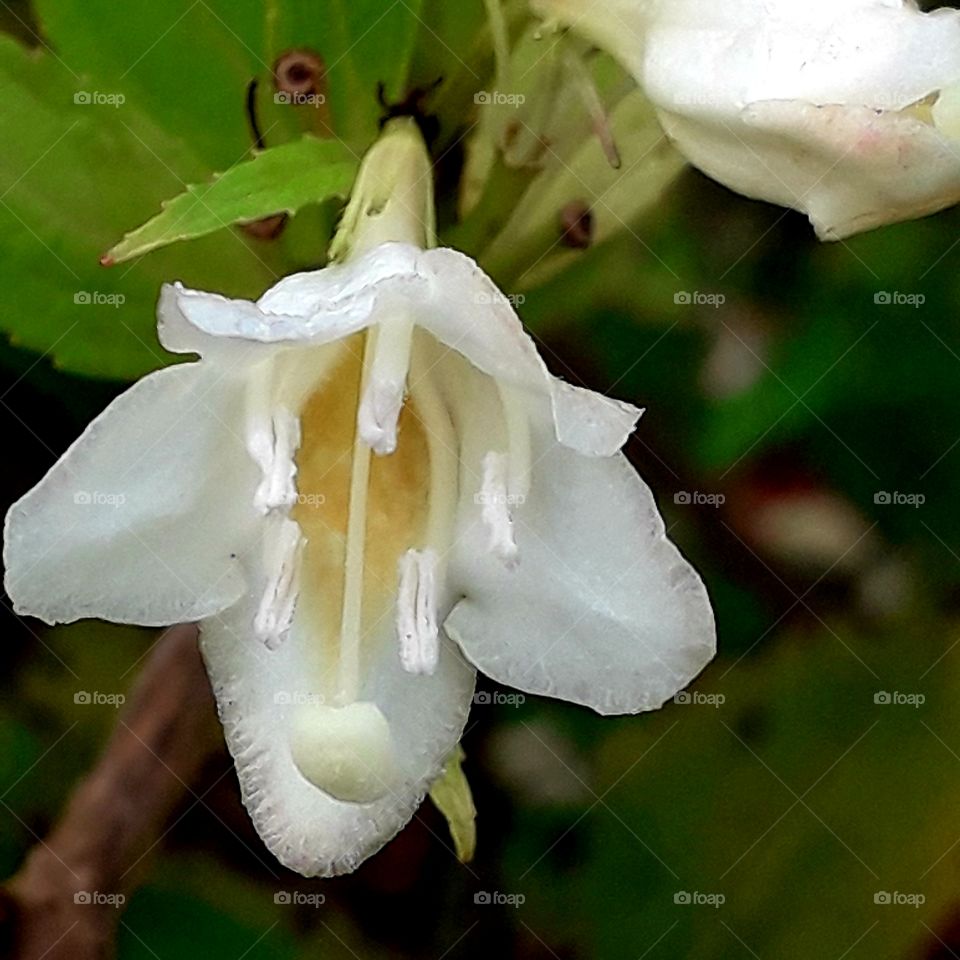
(781, 810)
(278, 180)
(19, 751)
(163, 923)
(366, 44)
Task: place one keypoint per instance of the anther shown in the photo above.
(417, 628)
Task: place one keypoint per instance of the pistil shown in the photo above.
(348, 666)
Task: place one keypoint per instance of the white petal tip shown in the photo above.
(590, 423)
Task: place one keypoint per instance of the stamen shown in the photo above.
(272, 440)
(587, 90)
(384, 388)
(495, 507)
(500, 33)
(282, 554)
(417, 627)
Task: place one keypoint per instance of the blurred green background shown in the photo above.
(801, 435)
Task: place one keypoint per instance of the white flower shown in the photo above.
(848, 110)
(367, 487)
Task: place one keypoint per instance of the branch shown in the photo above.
(65, 901)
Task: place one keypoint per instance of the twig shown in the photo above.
(66, 900)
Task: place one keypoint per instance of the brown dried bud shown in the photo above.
(576, 225)
(300, 73)
(269, 228)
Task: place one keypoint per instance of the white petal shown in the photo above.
(141, 520)
(590, 422)
(876, 53)
(468, 313)
(319, 306)
(804, 104)
(601, 609)
(444, 291)
(262, 694)
(852, 169)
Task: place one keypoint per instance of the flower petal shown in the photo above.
(850, 169)
(443, 290)
(259, 692)
(883, 54)
(804, 104)
(467, 313)
(142, 518)
(319, 306)
(601, 608)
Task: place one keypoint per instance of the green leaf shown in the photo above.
(170, 923)
(279, 180)
(366, 43)
(73, 179)
(452, 797)
(160, 94)
(786, 789)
